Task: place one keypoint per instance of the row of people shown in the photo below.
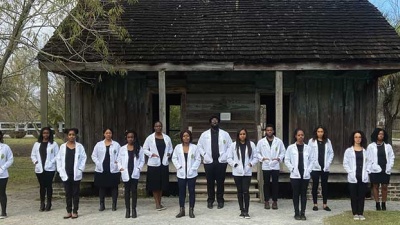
(216, 148)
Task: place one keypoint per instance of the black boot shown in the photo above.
(114, 206)
(191, 214)
(42, 207)
(48, 205)
(102, 206)
(134, 214)
(181, 212)
(128, 213)
(378, 206)
(383, 206)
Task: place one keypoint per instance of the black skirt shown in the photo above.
(106, 179)
(379, 178)
(157, 178)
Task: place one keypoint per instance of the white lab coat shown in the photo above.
(204, 145)
(292, 161)
(234, 158)
(6, 160)
(276, 150)
(372, 162)
(79, 162)
(150, 147)
(99, 153)
(50, 164)
(184, 171)
(328, 154)
(349, 164)
(123, 160)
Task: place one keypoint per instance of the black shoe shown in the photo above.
(378, 206)
(114, 206)
(297, 217)
(191, 213)
(266, 205)
(327, 209)
(315, 208)
(181, 212)
(241, 214)
(383, 206)
(102, 207)
(220, 205)
(210, 205)
(303, 216)
(48, 206)
(128, 213)
(42, 207)
(134, 214)
(246, 216)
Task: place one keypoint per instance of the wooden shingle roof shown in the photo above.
(250, 32)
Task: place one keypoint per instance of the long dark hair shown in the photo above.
(1, 137)
(51, 135)
(374, 135)
(136, 143)
(363, 139)
(324, 137)
(247, 142)
(295, 133)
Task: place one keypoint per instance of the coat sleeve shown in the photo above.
(94, 154)
(9, 157)
(175, 159)
(170, 148)
(120, 158)
(369, 161)
(33, 154)
(346, 162)
(330, 152)
(311, 158)
(56, 150)
(254, 160)
(58, 160)
(141, 159)
(282, 151)
(82, 162)
(288, 163)
(146, 147)
(259, 153)
(200, 145)
(197, 158)
(230, 157)
(390, 157)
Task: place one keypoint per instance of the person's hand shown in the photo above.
(265, 158)
(36, 162)
(250, 165)
(154, 155)
(122, 169)
(168, 154)
(235, 165)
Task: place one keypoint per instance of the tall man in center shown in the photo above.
(213, 145)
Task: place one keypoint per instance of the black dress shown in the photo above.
(158, 176)
(382, 177)
(106, 179)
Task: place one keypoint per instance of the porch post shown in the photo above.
(279, 104)
(44, 95)
(162, 99)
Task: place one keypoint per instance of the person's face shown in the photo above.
(242, 135)
(71, 136)
(381, 135)
(108, 134)
(185, 138)
(130, 138)
(357, 138)
(214, 122)
(320, 132)
(300, 136)
(269, 131)
(158, 127)
(46, 134)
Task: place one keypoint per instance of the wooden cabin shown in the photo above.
(303, 62)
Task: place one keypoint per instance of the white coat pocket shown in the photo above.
(181, 172)
(376, 168)
(273, 164)
(38, 168)
(351, 178)
(207, 159)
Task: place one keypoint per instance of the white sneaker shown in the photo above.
(356, 217)
(361, 217)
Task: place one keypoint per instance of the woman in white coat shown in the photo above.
(323, 152)
(299, 159)
(43, 156)
(242, 156)
(186, 159)
(107, 175)
(379, 165)
(71, 161)
(354, 162)
(130, 163)
(158, 147)
(6, 160)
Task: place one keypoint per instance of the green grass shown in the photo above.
(23, 146)
(396, 134)
(396, 165)
(22, 175)
(372, 218)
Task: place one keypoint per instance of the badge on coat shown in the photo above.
(2, 156)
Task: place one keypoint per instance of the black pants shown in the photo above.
(182, 191)
(3, 196)
(46, 185)
(315, 175)
(357, 195)
(72, 189)
(114, 194)
(215, 172)
(267, 174)
(243, 195)
(130, 188)
(299, 187)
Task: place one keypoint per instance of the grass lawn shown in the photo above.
(372, 218)
(23, 146)
(22, 175)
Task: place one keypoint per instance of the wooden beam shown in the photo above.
(68, 67)
(279, 104)
(162, 99)
(44, 96)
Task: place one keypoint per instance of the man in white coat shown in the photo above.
(213, 145)
(271, 152)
